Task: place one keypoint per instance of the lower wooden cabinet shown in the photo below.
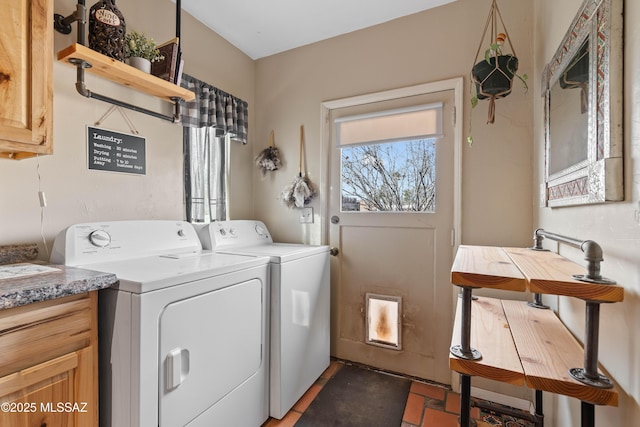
(51, 350)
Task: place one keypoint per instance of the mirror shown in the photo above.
(568, 114)
(583, 109)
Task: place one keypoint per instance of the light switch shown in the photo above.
(306, 216)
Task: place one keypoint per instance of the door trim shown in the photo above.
(457, 85)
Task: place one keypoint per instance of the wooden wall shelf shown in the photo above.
(119, 72)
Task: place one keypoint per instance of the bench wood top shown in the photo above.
(524, 345)
(521, 269)
(549, 273)
(490, 334)
(486, 267)
(547, 351)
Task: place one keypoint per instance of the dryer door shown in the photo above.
(209, 345)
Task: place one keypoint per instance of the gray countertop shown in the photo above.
(23, 280)
(63, 281)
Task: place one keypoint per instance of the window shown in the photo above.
(388, 160)
(206, 174)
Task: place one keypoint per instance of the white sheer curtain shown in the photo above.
(210, 122)
(205, 175)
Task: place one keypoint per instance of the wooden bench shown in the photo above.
(513, 342)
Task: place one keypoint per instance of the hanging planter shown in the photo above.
(494, 80)
(493, 74)
(269, 158)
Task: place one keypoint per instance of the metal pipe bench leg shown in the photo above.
(539, 411)
(465, 400)
(588, 414)
(464, 351)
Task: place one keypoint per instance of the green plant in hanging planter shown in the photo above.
(139, 45)
(493, 76)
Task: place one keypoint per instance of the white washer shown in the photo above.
(183, 338)
(300, 294)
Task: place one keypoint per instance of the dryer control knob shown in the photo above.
(99, 238)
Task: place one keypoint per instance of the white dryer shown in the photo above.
(183, 337)
(300, 297)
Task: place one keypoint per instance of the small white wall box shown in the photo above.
(306, 216)
(384, 327)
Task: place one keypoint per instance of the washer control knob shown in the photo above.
(100, 238)
(181, 232)
(260, 230)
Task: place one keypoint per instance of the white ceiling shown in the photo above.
(261, 28)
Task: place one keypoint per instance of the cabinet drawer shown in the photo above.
(38, 332)
(31, 396)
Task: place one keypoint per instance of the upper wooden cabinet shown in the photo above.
(26, 78)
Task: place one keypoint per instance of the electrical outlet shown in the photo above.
(306, 216)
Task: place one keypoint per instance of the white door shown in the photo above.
(392, 218)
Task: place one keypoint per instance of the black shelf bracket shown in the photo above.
(62, 24)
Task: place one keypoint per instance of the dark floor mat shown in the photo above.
(357, 397)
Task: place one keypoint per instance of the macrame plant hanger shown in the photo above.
(494, 48)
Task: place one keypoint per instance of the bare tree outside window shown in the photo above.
(394, 176)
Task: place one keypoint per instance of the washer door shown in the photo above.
(209, 345)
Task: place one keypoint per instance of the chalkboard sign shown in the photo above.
(116, 152)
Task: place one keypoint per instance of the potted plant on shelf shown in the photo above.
(140, 51)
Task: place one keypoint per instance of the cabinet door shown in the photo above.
(26, 78)
(40, 396)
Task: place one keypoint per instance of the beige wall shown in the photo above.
(74, 193)
(499, 199)
(434, 45)
(615, 226)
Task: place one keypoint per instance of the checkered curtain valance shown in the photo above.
(215, 108)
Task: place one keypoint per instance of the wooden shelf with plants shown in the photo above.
(124, 74)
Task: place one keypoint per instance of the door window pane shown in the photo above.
(389, 177)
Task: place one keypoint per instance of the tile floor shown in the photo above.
(427, 405)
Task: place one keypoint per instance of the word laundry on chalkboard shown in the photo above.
(115, 152)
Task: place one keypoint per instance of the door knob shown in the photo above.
(335, 219)
(334, 251)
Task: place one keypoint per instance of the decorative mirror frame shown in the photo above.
(599, 178)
